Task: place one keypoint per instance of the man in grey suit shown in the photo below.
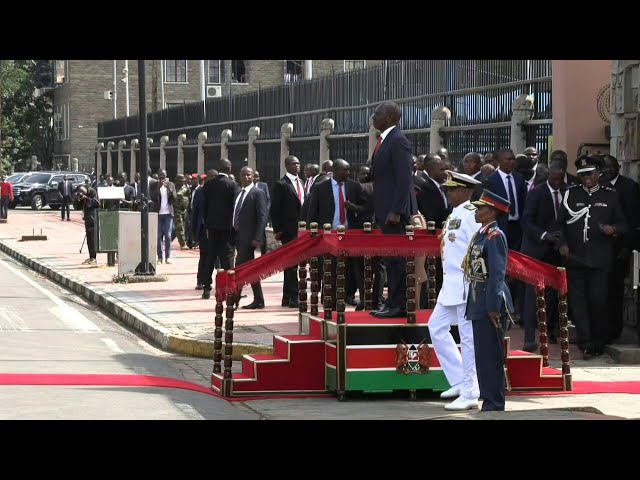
(248, 224)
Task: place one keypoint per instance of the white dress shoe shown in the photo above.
(462, 403)
(453, 392)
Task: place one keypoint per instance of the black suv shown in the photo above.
(41, 188)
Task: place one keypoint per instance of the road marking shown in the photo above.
(113, 346)
(67, 314)
(152, 349)
(13, 320)
(188, 410)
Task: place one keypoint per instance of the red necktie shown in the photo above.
(306, 185)
(299, 192)
(341, 203)
(377, 145)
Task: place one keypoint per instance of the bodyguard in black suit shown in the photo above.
(286, 202)
(199, 231)
(503, 179)
(629, 197)
(540, 234)
(265, 189)
(391, 171)
(219, 195)
(540, 171)
(559, 157)
(249, 222)
(65, 188)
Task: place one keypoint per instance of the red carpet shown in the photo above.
(124, 380)
(583, 388)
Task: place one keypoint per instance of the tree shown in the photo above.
(27, 127)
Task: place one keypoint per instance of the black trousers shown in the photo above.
(588, 288)
(91, 241)
(218, 248)
(396, 270)
(263, 247)
(530, 316)
(244, 254)
(203, 250)
(616, 299)
(290, 286)
(65, 207)
(4, 206)
(377, 287)
(488, 342)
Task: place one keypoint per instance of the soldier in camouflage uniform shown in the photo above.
(180, 208)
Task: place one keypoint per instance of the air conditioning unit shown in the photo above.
(214, 91)
(59, 79)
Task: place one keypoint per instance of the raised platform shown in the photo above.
(361, 355)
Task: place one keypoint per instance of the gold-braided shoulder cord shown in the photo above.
(466, 261)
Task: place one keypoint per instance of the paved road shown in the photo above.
(47, 330)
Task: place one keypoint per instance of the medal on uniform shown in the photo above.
(452, 236)
(454, 223)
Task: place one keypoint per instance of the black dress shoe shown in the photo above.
(199, 286)
(530, 347)
(360, 306)
(293, 304)
(374, 312)
(206, 294)
(393, 312)
(285, 302)
(254, 306)
(587, 354)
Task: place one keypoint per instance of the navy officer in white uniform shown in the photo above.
(459, 228)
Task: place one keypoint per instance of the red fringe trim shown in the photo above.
(359, 244)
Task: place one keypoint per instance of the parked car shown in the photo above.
(13, 179)
(41, 188)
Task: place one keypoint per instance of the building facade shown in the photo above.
(90, 91)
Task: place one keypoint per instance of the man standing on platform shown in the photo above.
(459, 229)
(391, 172)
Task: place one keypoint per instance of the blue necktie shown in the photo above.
(512, 197)
(236, 213)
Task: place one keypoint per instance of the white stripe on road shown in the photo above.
(13, 320)
(113, 346)
(188, 410)
(67, 314)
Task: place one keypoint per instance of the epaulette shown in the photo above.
(494, 232)
(573, 186)
(473, 208)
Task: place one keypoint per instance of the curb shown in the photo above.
(158, 335)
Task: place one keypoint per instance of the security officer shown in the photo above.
(590, 218)
(180, 209)
(459, 228)
(489, 300)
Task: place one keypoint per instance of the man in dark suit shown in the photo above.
(509, 184)
(432, 200)
(265, 189)
(129, 192)
(559, 157)
(199, 229)
(286, 204)
(540, 171)
(249, 222)
(629, 199)
(391, 171)
(540, 234)
(65, 188)
(219, 195)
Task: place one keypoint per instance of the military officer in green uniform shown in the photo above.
(180, 208)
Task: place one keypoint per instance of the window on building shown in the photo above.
(354, 64)
(175, 71)
(61, 71)
(215, 71)
(293, 71)
(61, 121)
(238, 71)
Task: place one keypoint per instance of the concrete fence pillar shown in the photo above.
(522, 113)
(110, 146)
(252, 160)
(132, 168)
(285, 134)
(202, 138)
(326, 127)
(34, 162)
(149, 143)
(181, 139)
(99, 148)
(440, 117)
(163, 153)
(121, 146)
(373, 138)
(74, 164)
(225, 137)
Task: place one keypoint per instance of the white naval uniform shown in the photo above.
(452, 301)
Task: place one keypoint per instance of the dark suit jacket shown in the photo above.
(539, 217)
(61, 188)
(322, 204)
(495, 184)
(253, 218)
(154, 196)
(265, 188)
(629, 196)
(219, 195)
(430, 201)
(391, 172)
(571, 180)
(542, 174)
(197, 212)
(285, 208)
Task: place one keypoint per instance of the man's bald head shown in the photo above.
(224, 166)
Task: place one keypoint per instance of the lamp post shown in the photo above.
(143, 268)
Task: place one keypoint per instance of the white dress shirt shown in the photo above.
(503, 175)
(295, 180)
